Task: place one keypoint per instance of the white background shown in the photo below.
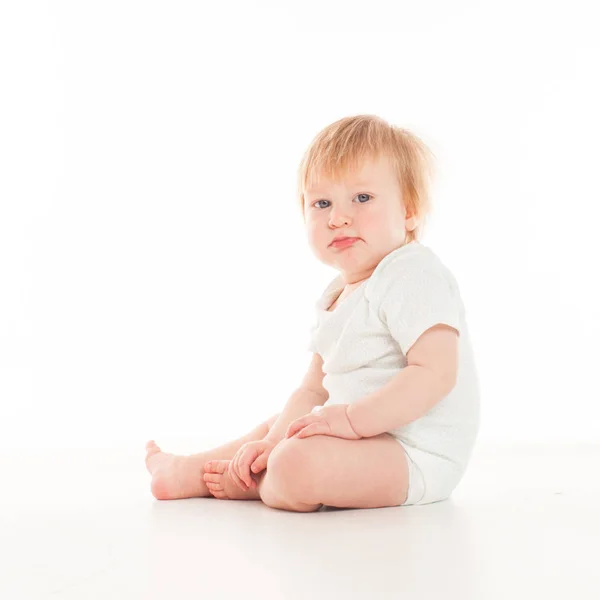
(155, 279)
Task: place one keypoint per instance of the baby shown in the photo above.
(388, 412)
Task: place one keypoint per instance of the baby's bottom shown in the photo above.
(430, 477)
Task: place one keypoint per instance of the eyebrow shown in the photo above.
(354, 184)
(360, 183)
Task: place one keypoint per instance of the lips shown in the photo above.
(344, 243)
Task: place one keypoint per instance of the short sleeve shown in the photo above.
(415, 300)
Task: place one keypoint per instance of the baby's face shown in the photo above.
(367, 206)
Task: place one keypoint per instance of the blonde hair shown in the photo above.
(339, 148)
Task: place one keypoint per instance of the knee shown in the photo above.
(287, 465)
(287, 480)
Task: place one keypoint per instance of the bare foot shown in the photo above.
(175, 477)
(220, 484)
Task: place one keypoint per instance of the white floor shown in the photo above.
(523, 523)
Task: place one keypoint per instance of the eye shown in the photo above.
(357, 196)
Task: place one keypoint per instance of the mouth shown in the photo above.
(344, 243)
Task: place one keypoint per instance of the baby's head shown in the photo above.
(362, 177)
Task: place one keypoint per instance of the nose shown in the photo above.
(338, 218)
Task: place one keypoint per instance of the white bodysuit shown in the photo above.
(364, 342)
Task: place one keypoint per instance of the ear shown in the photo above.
(411, 223)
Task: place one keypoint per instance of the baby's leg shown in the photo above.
(175, 477)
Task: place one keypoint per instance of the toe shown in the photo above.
(150, 453)
(216, 466)
(152, 447)
(219, 494)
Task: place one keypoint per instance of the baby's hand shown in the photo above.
(328, 420)
(253, 454)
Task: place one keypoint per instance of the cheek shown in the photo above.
(315, 234)
(380, 228)
(374, 222)
(315, 229)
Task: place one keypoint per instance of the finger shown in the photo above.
(308, 422)
(260, 463)
(293, 427)
(238, 460)
(232, 468)
(313, 429)
(298, 424)
(239, 476)
(235, 478)
(244, 467)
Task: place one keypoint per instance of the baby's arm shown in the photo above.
(309, 394)
(428, 377)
